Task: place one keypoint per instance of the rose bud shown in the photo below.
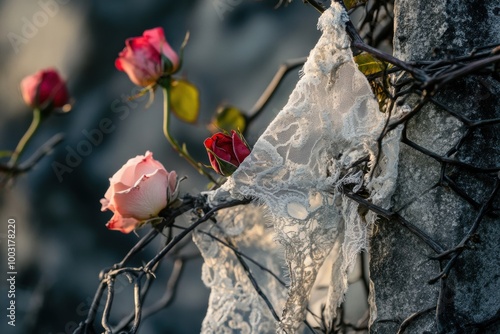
(226, 152)
(145, 59)
(138, 192)
(44, 90)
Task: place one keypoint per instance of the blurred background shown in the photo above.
(61, 238)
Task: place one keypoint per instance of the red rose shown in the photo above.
(44, 89)
(142, 57)
(226, 152)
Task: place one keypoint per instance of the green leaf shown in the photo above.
(228, 118)
(368, 64)
(354, 3)
(184, 100)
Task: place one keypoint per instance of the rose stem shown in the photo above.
(173, 142)
(35, 124)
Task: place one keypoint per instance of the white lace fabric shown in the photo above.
(296, 171)
(234, 306)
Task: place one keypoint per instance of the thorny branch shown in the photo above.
(31, 162)
(241, 256)
(136, 275)
(439, 75)
(273, 86)
(424, 80)
(394, 217)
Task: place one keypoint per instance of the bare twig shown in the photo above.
(45, 149)
(108, 276)
(188, 230)
(273, 86)
(163, 302)
(255, 284)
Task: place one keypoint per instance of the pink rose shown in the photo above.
(142, 60)
(45, 89)
(139, 191)
(226, 152)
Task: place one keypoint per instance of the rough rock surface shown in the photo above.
(400, 265)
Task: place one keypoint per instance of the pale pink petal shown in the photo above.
(109, 196)
(126, 173)
(143, 75)
(172, 186)
(114, 187)
(29, 87)
(172, 180)
(138, 191)
(104, 204)
(146, 166)
(124, 225)
(145, 199)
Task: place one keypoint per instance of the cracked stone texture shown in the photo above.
(400, 266)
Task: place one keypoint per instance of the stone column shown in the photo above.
(467, 300)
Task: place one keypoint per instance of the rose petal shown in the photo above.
(213, 161)
(240, 149)
(129, 173)
(222, 148)
(224, 155)
(126, 174)
(140, 60)
(156, 37)
(118, 63)
(139, 75)
(124, 225)
(145, 199)
(108, 196)
(173, 186)
(104, 204)
(52, 88)
(43, 87)
(147, 165)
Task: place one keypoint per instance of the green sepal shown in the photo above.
(225, 168)
(228, 118)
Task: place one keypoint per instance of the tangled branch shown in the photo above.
(401, 81)
(142, 277)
